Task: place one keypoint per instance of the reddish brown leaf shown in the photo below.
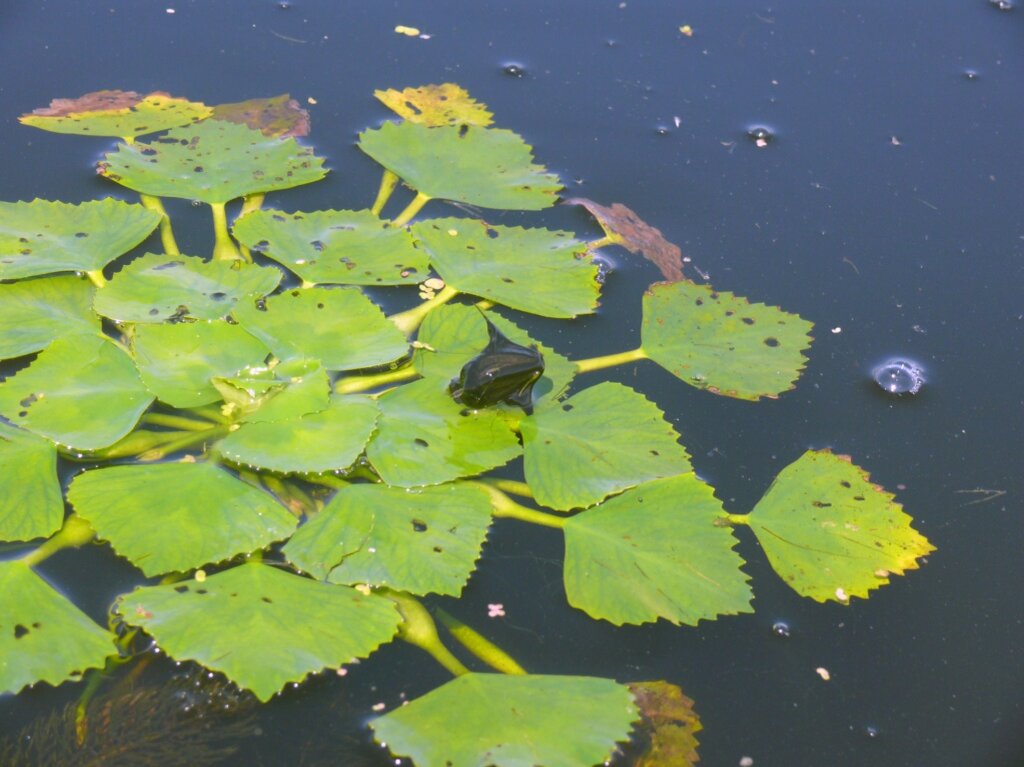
(276, 116)
(92, 102)
(670, 724)
(626, 228)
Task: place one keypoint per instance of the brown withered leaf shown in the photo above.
(670, 723)
(433, 105)
(125, 114)
(626, 228)
(275, 116)
(92, 102)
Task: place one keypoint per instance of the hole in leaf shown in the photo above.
(772, 342)
(419, 525)
(20, 631)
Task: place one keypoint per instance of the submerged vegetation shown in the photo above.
(286, 465)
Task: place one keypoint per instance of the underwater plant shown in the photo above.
(293, 467)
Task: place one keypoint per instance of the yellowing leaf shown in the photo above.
(445, 104)
(116, 113)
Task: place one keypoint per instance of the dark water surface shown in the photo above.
(887, 209)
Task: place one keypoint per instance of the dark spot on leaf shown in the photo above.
(507, 280)
(295, 293)
(421, 442)
(773, 342)
(29, 400)
(260, 304)
(463, 130)
(567, 407)
(858, 497)
(181, 589)
(81, 234)
(820, 504)
(655, 452)
(20, 631)
(747, 320)
(419, 525)
(699, 302)
(201, 591)
(277, 217)
(154, 312)
(22, 413)
(319, 306)
(317, 245)
(268, 600)
(844, 483)
(198, 169)
(438, 549)
(168, 265)
(218, 295)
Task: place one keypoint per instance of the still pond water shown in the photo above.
(884, 205)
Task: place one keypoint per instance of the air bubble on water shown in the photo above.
(761, 135)
(871, 732)
(971, 74)
(196, 203)
(899, 376)
(661, 130)
(781, 629)
(1002, 5)
(512, 69)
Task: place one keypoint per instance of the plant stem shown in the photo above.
(210, 413)
(224, 247)
(353, 384)
(175, 422)
(166, 232)
(410, 319)
(187, 439)
(96, 277)
(505, 507)
(411, 209)
(417, 628)
(388, 182)
(735, 519)
(479, 645)
(75, 532)
(296, 501)
(510, 486)
(251, 202)
(328, 480)
(595, 244)
(609, 360)
(132, 444)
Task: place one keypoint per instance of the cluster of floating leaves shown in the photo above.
(259, 416)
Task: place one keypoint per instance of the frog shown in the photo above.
(503, 371)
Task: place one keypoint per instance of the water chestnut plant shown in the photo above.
(286, 467)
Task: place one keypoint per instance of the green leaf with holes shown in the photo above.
(341, 327)
(832, 534)
(36, 311)
(600, 441)
(43, 636)
(421, 541)
(177, 362)
(540, 271)
(340, 247)
(425, 438)
(81, 392)
(213, 161)
(489, 167)
(31, 505)
(260, 626)
(657, 551)
(155, 288)
(328, 440)
(124, 114)
(173, 517)
(511, 721)
(452, 334)
(723, 343)
(44, 237)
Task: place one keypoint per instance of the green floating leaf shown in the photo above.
(173, 517)
(454, 333)
(275, 116)
(125, 114)
(421, 541)
(177, 362)
(720, 342)
(299, 387)
(657, 551)
(540, 271)
(445, 104)
(598, 442)
(43, 636)
(511, 721)
(670, 724)
(489, 167)
(213, 161)
(260, 626)
(341, 327)
(43, 237)
(832, 534)
(37, 311)
(155, 288)
(343, 247)
(329, 440)
(31, 505)
(81, 392)
(425, 438)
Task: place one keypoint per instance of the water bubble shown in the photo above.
(871, 732)
(971, 74)
(1002, 5)
(284, 5)
(761, 135)
(196, 203)
(781, 629)
(661, 130)
(899, 376)
(513, 69)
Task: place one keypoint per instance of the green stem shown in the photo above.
(210, 413)
(479, 645)
(388, 182)
(74, 533)
(156, 205)
(504, 506)
(353, 384)
(294, 499)
(411, 209)
(735, 519)
(251, 202)
(328, 480)
(510, 486)
(96, 277)
(595, 244)
(187, 439)
(137, 442)
(410, 319)
(175, 422)
(224, 247)
(609, 360)
(417, 628)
